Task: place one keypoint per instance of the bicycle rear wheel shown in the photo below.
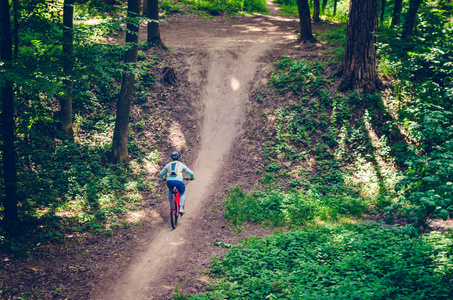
(173, 215)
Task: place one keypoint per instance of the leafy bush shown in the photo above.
(423, 62)
(428, 181)
(423, 72)
(297, 76)
(335, 262)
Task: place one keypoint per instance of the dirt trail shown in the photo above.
(224, 55)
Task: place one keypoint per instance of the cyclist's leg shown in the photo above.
(182, 195)
(170, 185)
(182, 198)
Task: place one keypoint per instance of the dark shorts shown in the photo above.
(180, 186)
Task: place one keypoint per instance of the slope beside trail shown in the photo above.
(223, 55)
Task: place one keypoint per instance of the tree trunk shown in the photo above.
(324, 4)
(120, 153)
(359, 63)
(383, 4)
(152, 12)
(396, 17)
(316, 11)
(306, 34)
(335, 7)
(68, 64)
(10, 215)
(409, 24)
(16, 28)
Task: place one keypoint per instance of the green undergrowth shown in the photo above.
(292, 208)
(331, 145)
(361, 261)
(422, 76)
(336, 37)
(216, 7)
(289, 8)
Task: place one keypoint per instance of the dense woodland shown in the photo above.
(368, 134)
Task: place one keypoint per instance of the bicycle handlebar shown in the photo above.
(185, 178)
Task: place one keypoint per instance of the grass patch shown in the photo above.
(278, 208)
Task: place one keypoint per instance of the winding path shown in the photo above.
(233, 50)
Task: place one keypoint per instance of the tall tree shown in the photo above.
(316, 11)
(409, 24)
(396, 17)
(306, 34)
(10, 215)
(16, 27)
(359, 62)
(152, 12)
(324, 4)
(335, 7)
(68, 63)
(119, 144)
(383, 4)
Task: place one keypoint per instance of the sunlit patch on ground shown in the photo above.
(234, 83)
(176, 136)
(376, 174)
(106, 200)
(133, 197)
(149, 165)
(135, 216)
(94, 138)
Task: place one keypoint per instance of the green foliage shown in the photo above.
(336, 36)
(294, 207)
(65, 184)
(423, 74)
(289, 7)
(422, 64)
(428, 181)
(225, 7)
(99, 7)
(298, 76)
(332, 262)
(326, 132)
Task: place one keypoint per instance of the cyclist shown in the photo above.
(172, 172)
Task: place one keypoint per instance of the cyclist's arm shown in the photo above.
(189, 172)
(163, 172)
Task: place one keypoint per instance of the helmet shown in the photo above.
(175, 155)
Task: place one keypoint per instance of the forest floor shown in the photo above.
(223, 62)
(219, 63)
